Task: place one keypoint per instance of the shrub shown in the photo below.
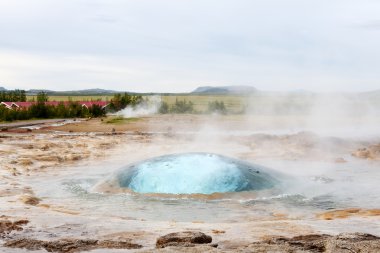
(121, 101)
(182, 106)
(164, 108)
(217, 107)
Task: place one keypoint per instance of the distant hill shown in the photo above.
(224, 90)
(94, 91)
(2, 89)
(36, 91)
(73, 92)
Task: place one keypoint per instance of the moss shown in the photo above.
(121, 120)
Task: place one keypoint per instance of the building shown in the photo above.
(26, 105)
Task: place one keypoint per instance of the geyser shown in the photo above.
(194, 173)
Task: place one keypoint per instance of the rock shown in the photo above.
(45, 147)
(198, 248)
(73, 157)
(340, 160)
(25, 162)
(105, 145)
(215, 231)
(183, 239)
(7, 226)
(343, 243)
(70, 245)
(371, 152)
(30, 200)
(28, 146)
(48, 158)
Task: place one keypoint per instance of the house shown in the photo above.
(6, 104)
(102, 104)
(22, 104)
(26, 105)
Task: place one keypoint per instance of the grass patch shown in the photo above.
(120, 120)
(233, 103)
(59, 98)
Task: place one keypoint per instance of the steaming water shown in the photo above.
(194, 173)
(308, 189)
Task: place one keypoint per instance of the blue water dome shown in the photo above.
(194, 173)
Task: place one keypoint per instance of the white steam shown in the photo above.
(148, 107)
(331, 114)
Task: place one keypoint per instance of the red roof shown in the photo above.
(102, 104)
(90, 104)
(7, 104)
(23, 104)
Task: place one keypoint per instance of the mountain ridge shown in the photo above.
(95, 91)
(224, 89)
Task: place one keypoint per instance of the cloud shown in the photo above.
(171, 45)
(371, 25)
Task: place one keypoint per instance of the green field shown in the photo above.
(75, 98)
(258, 103)
(233, 103)
(120, 120)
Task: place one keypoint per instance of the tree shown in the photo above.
(121, 101)
(164, 108)
(22, 96)
(42, 97)
(182, 106)
(96, 111)
(13, 96)
(43, 110)
(217, 107)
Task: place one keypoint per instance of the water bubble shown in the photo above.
(194, 173)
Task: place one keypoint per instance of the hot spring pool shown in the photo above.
(194, 173)
(300, 189)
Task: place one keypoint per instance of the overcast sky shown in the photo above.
(177, 45)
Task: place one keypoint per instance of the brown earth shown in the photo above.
(303, 145)
(312, 243)
(26, 154)
(347, 213)
(181, 242)
(69, 245)
(343, 243)
(372, 152)
(30, 200)
(7, 226)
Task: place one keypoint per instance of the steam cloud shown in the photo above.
(149, 107)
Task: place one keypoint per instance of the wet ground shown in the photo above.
(51, 178)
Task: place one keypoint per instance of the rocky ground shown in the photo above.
(28, 154)
(192, 242)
